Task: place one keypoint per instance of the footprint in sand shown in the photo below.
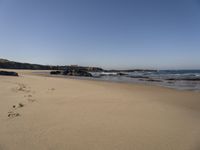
(31, 100)
(29, 96)
(12, 114)
(51, 89)
(21, 88)
(20, 105)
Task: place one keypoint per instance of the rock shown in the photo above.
(8, 73)
(121, 74)
(77, 72)
(55, 72)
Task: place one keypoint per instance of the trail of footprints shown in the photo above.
(29, 98)
(28, 95)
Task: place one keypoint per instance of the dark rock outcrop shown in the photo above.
(55, 72)
(8, 73)
(121, 74)
(76, 72)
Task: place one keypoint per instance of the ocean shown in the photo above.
(178, 79)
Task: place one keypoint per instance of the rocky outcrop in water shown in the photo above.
(72, 72)
(76, 72)
(122, 74)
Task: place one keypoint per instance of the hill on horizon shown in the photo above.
(7, 64)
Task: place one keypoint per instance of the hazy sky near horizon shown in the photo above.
(162, 34)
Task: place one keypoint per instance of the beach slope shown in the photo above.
(47, 113)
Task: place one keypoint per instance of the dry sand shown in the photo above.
(44, 113)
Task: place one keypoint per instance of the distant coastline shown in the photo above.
(178, 79)
(7, 64)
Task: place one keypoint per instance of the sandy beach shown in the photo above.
(46, 113)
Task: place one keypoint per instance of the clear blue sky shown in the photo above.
(163, 34)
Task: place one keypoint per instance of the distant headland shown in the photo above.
(7, 64)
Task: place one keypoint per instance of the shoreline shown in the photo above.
(120, 79)
(145, 83)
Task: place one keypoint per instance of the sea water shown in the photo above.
(178, 79)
